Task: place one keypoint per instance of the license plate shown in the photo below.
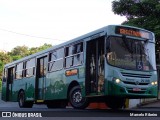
(136, 89)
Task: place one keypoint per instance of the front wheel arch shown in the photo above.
(71, 85)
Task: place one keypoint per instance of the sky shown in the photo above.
(35, 22)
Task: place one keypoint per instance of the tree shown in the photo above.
(33, 50)
(4, 59)
(45, 46)
(22, 51)
(37, 49)
(140, 13)
(19, 52)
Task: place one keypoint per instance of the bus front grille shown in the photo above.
(134, 83)
(135, 75)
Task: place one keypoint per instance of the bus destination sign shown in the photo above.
(133, 32)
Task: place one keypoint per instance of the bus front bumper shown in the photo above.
(115, 89)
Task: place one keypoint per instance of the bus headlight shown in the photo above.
(154, 83)
(117, 80)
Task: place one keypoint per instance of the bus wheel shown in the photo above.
(115, 103)
(21, 101)
(76, 100)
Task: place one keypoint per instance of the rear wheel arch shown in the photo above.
(19, 93)
(22, 100)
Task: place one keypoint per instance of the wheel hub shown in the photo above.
(77, 97)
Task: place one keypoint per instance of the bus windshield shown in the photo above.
(131, 54)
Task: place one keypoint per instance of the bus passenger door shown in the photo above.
(95, 66)
(10, 78)
(41, 77)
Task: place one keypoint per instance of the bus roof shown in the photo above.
(101, 30)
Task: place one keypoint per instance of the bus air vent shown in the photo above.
(134, 83)
(135, 75)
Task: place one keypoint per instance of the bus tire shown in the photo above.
(115, 103)
(21, 101)
(76, 100)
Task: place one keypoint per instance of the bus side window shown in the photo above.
(78, 54)
(74, 55)
(68, 57)
(25, 70)
(54, 56)
(5, 75)
(19, 69)
(29, 68)
(56, 60)
(66, 51)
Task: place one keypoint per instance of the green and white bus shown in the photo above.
(107, 65)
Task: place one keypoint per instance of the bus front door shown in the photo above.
(95, 67)
(41, 78)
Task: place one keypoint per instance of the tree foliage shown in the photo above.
(18, 52)
(140, 13)
(37, 49)
(4, 58)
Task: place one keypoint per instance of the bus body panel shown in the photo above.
(27, 85)
(55, 85)
(4, 92)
